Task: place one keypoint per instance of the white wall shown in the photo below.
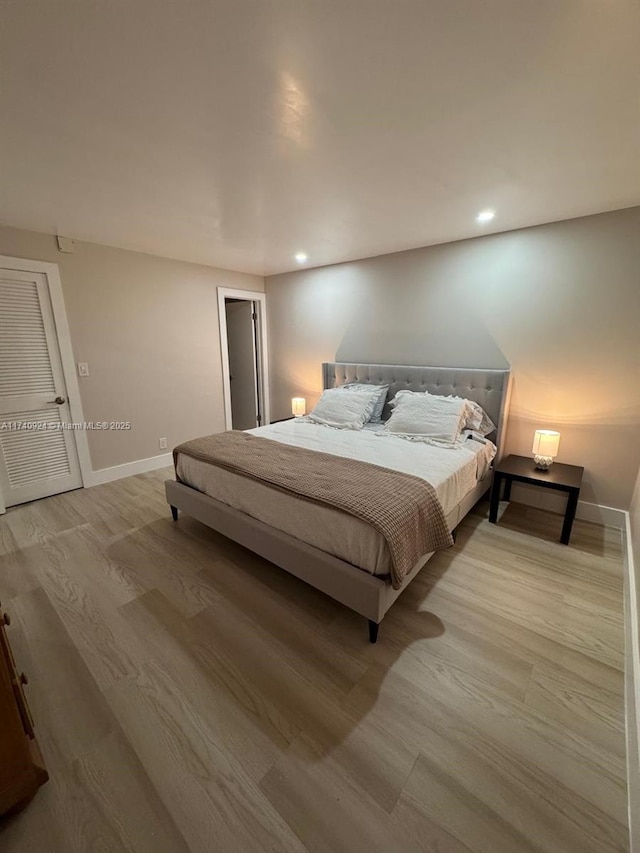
(148, 327)
(559, 303)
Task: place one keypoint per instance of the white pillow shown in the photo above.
(475, 417)
(381, 392)
(402, 395)
(343, 409)
(427, 416)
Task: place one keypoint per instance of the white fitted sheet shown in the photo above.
(453, 472)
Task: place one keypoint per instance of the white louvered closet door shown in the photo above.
(37, 457)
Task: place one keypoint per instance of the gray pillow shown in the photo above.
(376, 415)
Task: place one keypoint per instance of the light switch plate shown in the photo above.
(163, 443)
(83, 368)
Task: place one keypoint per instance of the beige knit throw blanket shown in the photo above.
(401, 507)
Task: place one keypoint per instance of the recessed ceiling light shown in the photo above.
(485, 216)
(301, 257)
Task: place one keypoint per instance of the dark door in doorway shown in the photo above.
(243, 368)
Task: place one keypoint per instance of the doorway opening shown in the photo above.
(243, 338)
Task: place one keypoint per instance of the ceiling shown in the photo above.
(239, 132)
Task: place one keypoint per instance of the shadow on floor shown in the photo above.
(543, 524)
(289, 654)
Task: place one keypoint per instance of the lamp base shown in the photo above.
(543, 463)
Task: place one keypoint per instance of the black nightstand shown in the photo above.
(522, 469)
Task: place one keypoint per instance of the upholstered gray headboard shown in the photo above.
(488, 387)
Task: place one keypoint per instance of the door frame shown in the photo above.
(263, 350)
(52, 274)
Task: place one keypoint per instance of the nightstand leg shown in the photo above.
(570, 514)
(495, 498)
(507, 489)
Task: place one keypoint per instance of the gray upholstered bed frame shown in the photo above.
(367, 594)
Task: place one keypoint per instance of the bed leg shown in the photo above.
(373, 631)
(454, 535)
(174, 512)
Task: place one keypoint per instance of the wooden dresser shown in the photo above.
(21, 766)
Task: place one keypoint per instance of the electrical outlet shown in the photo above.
(83, 368)
(163, 443)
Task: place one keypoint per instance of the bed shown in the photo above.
(337, 553)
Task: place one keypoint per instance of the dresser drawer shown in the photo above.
(21, 702)
(22, 769)
(18, 680)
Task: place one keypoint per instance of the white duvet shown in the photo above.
(452, 471)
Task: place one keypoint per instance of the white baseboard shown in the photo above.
(609, 516)
(117, 472)
(632, 682)
(557, 501)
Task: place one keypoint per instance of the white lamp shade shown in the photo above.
(298, 406)
(546, 442)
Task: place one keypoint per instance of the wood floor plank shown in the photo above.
(122, 793)
(73, 812)
(70, 709)
(414, 709)
(548, 613)
(90, 618)
(63, 817)
(573, 703)
(276, 692)
(427, 835)
(155, 566)
(288, 626)
(326, 810)
(505, 804)
(209, 793)
(524, 641)
(190, 696)
(168, 637)
(17, 573)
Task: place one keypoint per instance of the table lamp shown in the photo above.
(545, 448)
(298, 406)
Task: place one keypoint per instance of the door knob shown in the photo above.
(58, 400)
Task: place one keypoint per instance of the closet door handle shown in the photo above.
(59, 401)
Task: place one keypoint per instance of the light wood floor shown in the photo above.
(189, 696)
